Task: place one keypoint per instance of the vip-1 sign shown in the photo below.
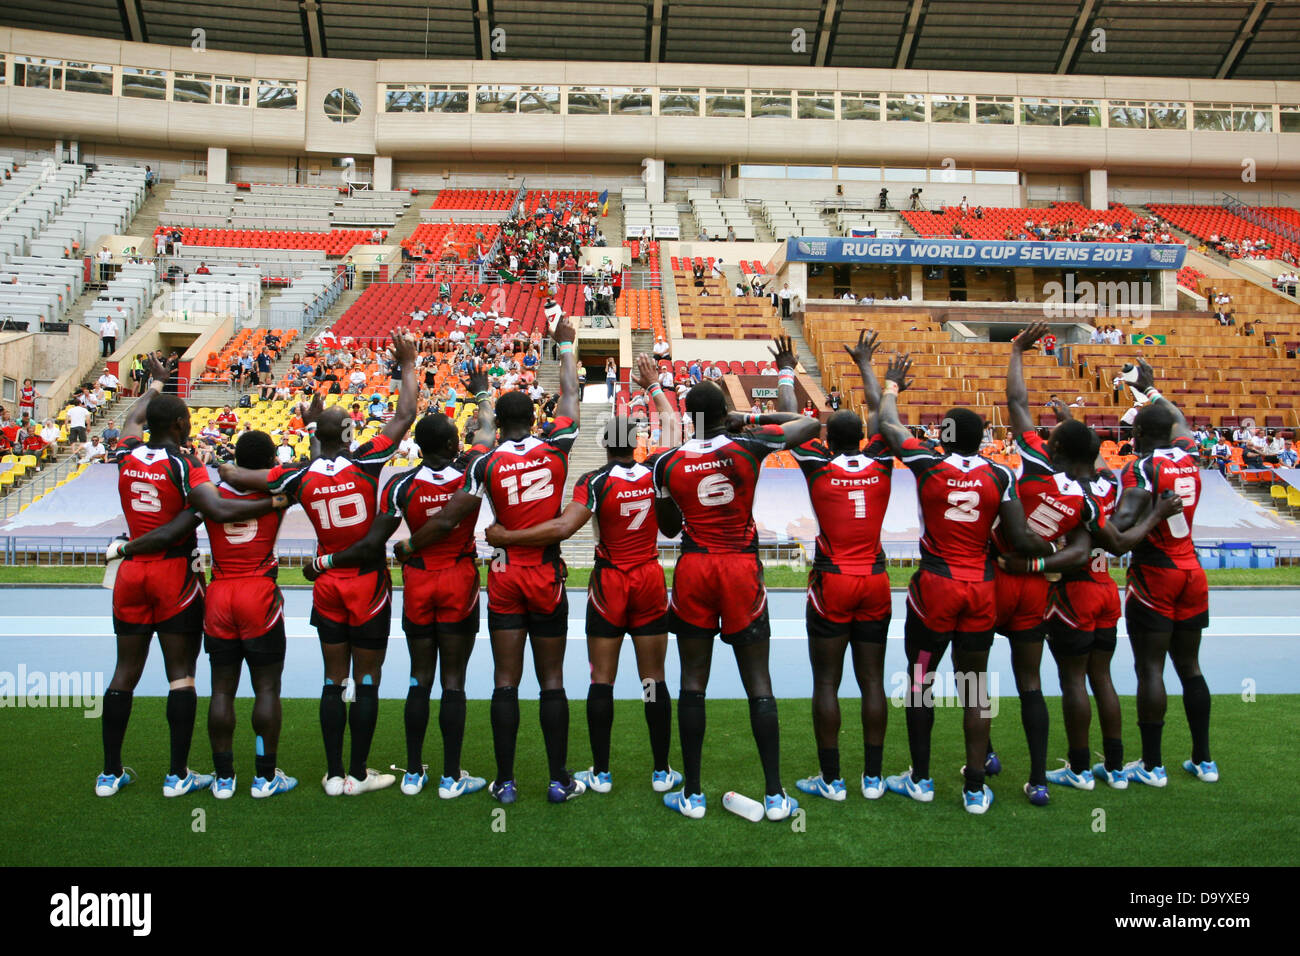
(988, 252)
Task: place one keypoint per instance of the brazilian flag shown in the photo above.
(1136, 338)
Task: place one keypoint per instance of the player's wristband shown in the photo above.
(483, 396)
(751, 418)
(785, 378)
(1037, 564)
(323, 563)
(310, 428)
(566, 348)
(1153, 394)
(158, 385)
(891, 387)
(655, 390)
(116, 549)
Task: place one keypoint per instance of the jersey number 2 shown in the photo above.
(965, 506)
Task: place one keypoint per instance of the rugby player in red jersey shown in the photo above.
(705, 491)
(626, 594)
(952, 598)
(1168, 600)
(1062, 483)
(848, 590)
(351, 607)
(523, 480)
(440, 586)
(159, 585)
(1055, 502)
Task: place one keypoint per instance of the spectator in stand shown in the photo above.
(611, 378)
(78, 416)
(108, 330)
(108, 381)
(357, 381)
(809, 409)
(1287, 456)
(695, 372)
(111, 434)
(349, 273)
(27, 398)
(662, 350)
(834, 399)
(203, 270)
(227, 421)
(714, 373)
(1222, 454)
(785, 295)
(94, 451)
(50, 432)
(378, 410)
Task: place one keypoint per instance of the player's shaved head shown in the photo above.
(167, 417)
(1152, 426)
(1073, 441)
(706, 402)
(329, 427)
(619, 437)
(436, 435)
(514, 410)
(844, 432)
(255, 451)
(962, 431)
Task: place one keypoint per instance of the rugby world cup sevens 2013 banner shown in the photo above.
(987, 252)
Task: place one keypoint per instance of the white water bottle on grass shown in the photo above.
(743, 806)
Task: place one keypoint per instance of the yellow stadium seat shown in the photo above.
(7, 478)
(1293, 497)
(28, 460)
(8, 459)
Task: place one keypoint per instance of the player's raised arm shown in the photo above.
(540, 535)
(404, 349)
(1061, 410)
(1017, 392)
(245, 479)
(1118, 541)
(440, 524)
(566, 341)
(1077, 550)
(159, 539)
(800, 429)
(133, 424)
(485, 432)
(667, 515)
(216, 508)
(896, 381)
(862, 353)
(670, 423)
(363, 553)
(1146, 384)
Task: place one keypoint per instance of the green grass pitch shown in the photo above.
(55, 819)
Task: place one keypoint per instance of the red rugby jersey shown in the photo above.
(850, 494)
(524, 482)
(154, 485)
(1104, 488)
(243, 549)
(419, 494)
(1175, 469)
(959, 498)
(340, 495)
(1055, 504)
(621, 498)
(712, 481)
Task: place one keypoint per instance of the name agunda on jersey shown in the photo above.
(154, 485)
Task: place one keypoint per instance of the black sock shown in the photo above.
(828, 760)
(1151, 732)
(554, 714)
(659, 720)
(974, 777)
(333, 718)
(451, 721)
(181, 707)
(990, 749)
(767, 734)
(505, 730)
(871, 765)
(600, 723)
(1079, 759)
(362, 717)
(1033, 714)
(224, 763)
(691, 721)
(1196, 704)
(117, 712)
(920, 727)
(1113, 753)
(265, 764)
(416, 716)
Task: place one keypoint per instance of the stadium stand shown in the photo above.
(334, 244)
(793, 218)
(709, 311)
(476, 199)
(1069, 219)
(1226, 232)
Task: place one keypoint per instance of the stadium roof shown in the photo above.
(1233, 39)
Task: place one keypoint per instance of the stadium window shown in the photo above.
(631, 100)
(816, 104)
(997, 110)
(905, 107)
(903, 174)
(587, 101)
(191, 88)
(88, 78)
(765, 103)
(1039, 112)
(1167, 116)
(539, 99)
(949, 108)
(808, 172)
(762, 172)
(1252, 119)
(1081, 113)
(1127, 114)
(496, 99)
(342, 106)
(860, 106)
(859, 173)
(724, 103)
(1215, 117)
(997, 177)
(1289, 119)
(952, 175)
(404, 98)
(10, 390)
(448, 98)
(38, 73)
(679, 102)
(231, 90)
(277, 94)
(144, 83)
